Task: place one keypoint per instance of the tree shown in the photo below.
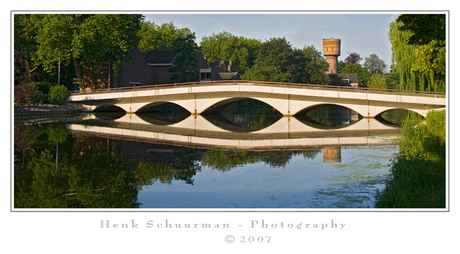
(77, 39)
(377, 80)
(374, 64)
(420, 64)
(242, 51)
(353, 58)
(392, 80)
(363, 73)
(277, 61)
(424, 27)
(186, 64)
(315, 67)
(154, 37)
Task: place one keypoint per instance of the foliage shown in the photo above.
(277, 61)
(315, 67)
(424, 27)
(24, 94)
(41, 91)
(77, 39)
(377, 80)
(58, 94)
(226, 160)
(147, 173)
(374, 64)
(51, 176)
(186, 64)
(392, 80)
(21, 68)
(419, 171)
(242, 51)
(154, 37)
(266, 73)
(353, 57)
(335, 80)
(363, 73)
(56, 132)
(421, 67)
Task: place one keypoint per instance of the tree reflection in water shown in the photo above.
(80, 172)
(97, 172)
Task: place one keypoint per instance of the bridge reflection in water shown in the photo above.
(211, 131)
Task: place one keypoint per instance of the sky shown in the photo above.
(363, 33)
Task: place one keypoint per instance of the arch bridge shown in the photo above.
(288, 99)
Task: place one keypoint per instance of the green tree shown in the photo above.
(77, 39)
(377, 80)
(392, 80)
(363, 73)
(154, 37)
(242, 51)
(424, 27)
(374, 64)
(277, 61)
(315, 67)
(420, 63)
(185, 67)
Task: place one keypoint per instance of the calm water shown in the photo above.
(327, 158)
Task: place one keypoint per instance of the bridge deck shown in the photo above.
(288, 99)
(280, 84)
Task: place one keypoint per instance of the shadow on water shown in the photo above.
(246, 115)
(328, 116)
(396, 117)
(164, 114)
(109, 113)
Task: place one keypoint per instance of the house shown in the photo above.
(224, 70)
(349, 79)
(152, 67)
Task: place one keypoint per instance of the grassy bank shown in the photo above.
(419, 172)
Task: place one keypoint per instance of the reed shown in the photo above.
(418, 178)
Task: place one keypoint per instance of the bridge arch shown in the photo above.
(158, 104)
(108, 108)
(421, 112)
(219, 106)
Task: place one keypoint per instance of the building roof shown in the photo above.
(228, 75)
(160, 57)
(353, 77)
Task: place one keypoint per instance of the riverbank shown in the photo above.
(419, 172)
(44, 113)
(44, 109)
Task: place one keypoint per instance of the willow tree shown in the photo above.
(421, 66)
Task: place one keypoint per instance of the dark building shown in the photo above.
(152, 67)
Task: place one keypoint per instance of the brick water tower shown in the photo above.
(331, 50)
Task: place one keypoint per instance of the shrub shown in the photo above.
(419, 172)
(41, 91)
(58, 94)
(24, 95)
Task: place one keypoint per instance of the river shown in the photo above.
(248, 156)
